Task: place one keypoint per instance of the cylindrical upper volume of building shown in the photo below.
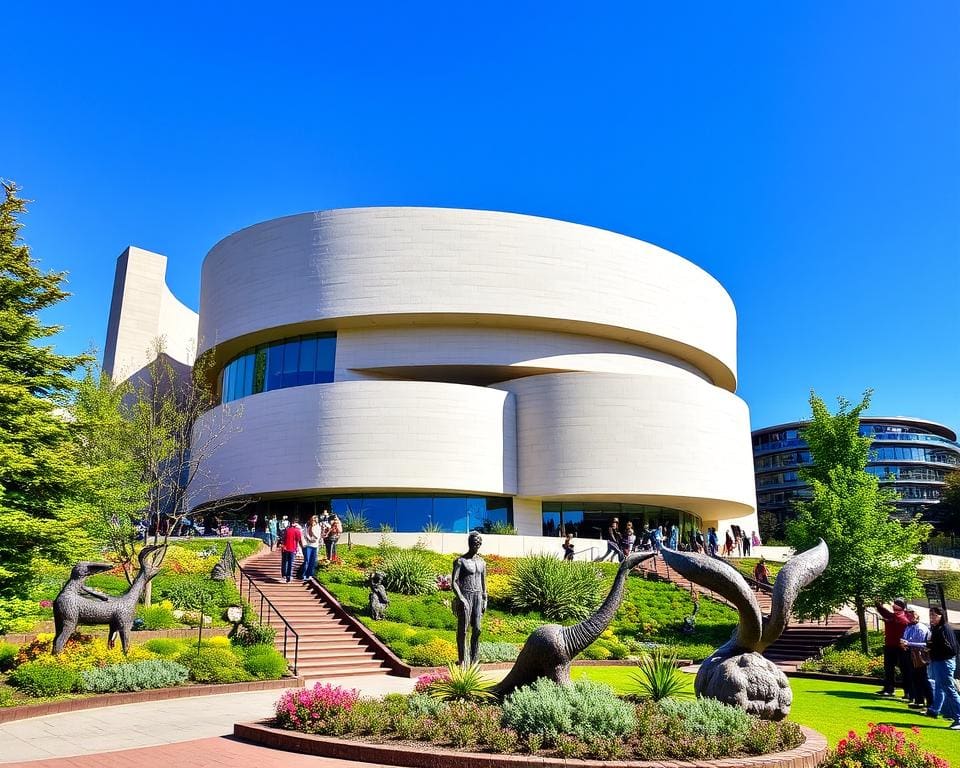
(426, 353)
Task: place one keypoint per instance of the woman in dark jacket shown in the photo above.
(943, 663)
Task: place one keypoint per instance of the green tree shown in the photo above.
(38, 467)
(114, 493)
(871, 556)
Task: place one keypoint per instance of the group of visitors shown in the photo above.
(926, 657)
(322, 529)
(621, 542)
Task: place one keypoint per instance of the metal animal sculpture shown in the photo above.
(736, 673)
(550, 648)
(73, 605)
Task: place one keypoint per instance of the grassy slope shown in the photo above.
(833, 709)
(650, 612)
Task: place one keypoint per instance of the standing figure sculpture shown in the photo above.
(469, 583)
(377, 598)
(73, 605)
(737, 673)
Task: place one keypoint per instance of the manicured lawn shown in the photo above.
(833, 709)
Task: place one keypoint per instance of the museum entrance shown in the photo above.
(590, 519)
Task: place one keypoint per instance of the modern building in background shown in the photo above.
(911, 456)
(455, 369)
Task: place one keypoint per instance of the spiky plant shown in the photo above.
(657, 677)
(462, 684)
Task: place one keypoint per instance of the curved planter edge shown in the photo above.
(808, 755)
(9, 714)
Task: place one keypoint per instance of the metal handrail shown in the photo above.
(271, 610)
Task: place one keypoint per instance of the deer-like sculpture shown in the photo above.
(736, 673)
(78, 604)
(550, 648)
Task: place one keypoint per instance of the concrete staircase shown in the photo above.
(328, 646)
(799, 641)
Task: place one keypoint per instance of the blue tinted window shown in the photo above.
(308, 360)
(413, 512)
(379, 511)
(326, 358)
(291, 363)
(450, 513)
(274, 367)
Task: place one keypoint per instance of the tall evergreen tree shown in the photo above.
(38, 471)
(872, 557)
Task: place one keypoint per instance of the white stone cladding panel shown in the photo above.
(482, 267)
(648, 439)
(363, 435)
(143, 311)
(402, 347)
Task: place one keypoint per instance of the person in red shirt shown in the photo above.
(894, 622)
(292, 537)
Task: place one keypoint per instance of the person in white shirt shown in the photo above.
(915, 636)
(311, 540)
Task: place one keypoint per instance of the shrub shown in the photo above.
(766, 737)
(310, 707)
(423, 705)
(462, 684)
(39, 678)
(882, 745)
(657, 676)
(493, 652)
(434, 653)
(188, 592)
(80, 652)
(585, 709)
(6, 698)
(214, 665)
(255, 634)
(18, 615)
(165, 646)
(8, 655)
(850, 662)
(264, 662)
(408, 572)
(710, 718)
(138, 676)
(157, 616)
(557, 589)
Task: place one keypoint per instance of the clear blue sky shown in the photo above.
(807, 156)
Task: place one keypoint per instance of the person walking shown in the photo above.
(894, 622)
(760, 573)
(614, 542)
(568, 547)
(272, 532)
(943, 663)
(311, 540)
(712, 542)
(754, 539)
(746, 544)
(674, 538)
(292, 536)
(336, 528)
(629, 539)
(914, 641)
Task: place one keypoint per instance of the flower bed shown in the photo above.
(89, 665)
(882, 745)
(582, 721)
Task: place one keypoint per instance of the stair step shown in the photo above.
(326, 664)
(358, 654)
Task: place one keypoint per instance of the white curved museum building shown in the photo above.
(455, 369)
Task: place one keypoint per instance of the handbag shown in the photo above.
(920, 657)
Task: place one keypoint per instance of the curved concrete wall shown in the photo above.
(409, 349)
(393, 266)
(359, 435)
(677, 442)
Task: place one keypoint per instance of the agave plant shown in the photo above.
(462, 684)
(657, 676)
